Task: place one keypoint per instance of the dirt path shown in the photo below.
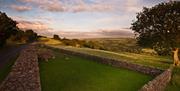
(9, 52)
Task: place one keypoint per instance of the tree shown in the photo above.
(56, 37)
(159, 27)
(7, 28)
(31, 35)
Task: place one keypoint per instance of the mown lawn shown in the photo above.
(142, 59)
(72, 73)
(161, 62)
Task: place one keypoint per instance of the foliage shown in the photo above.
(31, 35)
(56, 37)
(158, 27)
(10, 32)
(7, 28)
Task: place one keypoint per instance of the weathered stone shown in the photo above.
(24, 75)
(45, 54)
(159, 83)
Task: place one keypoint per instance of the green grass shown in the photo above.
(6, 69)
(71, 73)
(174, 85)
(161, 62)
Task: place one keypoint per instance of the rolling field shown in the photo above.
(142, 59)
(71, 73)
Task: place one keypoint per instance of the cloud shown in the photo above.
(88, 5)
(81, 6)
(44, 29)
(70, 5)
(48, 5)
(20, 8)
(32, 25)
(117, 33)
(132, 6)
(126, 32)
(37, 26)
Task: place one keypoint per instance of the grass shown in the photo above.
(71, 73)
(161, 62)
(49, 41)
(174, 85)
(6, 69)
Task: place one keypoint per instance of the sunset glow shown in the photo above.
(76, 18)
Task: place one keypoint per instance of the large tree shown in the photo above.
(56, 37)
(30, 35)
(7, 28)
(159, 28)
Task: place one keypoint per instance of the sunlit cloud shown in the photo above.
(49, 5)
(76, 18)
(32, 25)
(20, 8)
(70, 5)
(102, 33)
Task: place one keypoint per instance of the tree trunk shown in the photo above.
(176, 58)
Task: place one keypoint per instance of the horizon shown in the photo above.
(76, 18)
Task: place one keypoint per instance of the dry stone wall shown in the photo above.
(24, 75)
(159, 83)
(116, 63)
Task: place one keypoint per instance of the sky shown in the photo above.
(76, 18)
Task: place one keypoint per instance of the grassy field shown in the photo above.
(142, 59)
(49, 41)
(70, 73)
(116, 44)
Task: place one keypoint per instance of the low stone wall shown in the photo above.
(159, 83)
(24, 75)
(116, 63)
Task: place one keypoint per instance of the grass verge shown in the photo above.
(174, 85)
(6, 68)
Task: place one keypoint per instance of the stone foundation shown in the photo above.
(24, 75)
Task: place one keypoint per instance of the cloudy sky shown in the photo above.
(76, 18)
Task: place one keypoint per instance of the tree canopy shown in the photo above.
(9, 31)
(7, 28)
(159, 27)
(56, 37)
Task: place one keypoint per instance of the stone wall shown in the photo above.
(24, 75)
(116, 63)
(159, 83)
